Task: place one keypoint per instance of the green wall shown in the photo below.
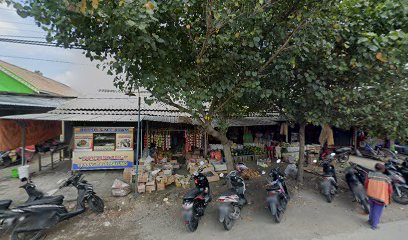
(9, 84)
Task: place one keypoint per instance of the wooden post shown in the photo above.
(39, 162)
(52, 159)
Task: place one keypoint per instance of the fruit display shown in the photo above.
(248, 174)
(248, 150)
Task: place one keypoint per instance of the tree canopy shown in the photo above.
(200, 56)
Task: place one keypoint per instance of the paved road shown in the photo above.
(393, 230)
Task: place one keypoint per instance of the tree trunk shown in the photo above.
(301, 153)
(228, 157)
(224, 141)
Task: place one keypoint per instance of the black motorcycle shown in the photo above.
(9, 217)
(357, 188)
(196, 200)
(277, 194)
(399, 184)
(329, 182)
(232, 201)
(394, 164)
(34, 220)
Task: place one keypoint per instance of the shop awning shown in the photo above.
(235, 122)
(95, 118)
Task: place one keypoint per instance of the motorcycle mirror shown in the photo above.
(278, 161)
(332, 154)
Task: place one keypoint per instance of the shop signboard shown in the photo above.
(103, 148)
(84, 141)
(83, 160)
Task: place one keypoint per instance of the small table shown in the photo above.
(60, 149)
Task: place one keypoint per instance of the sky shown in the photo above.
(67, 66)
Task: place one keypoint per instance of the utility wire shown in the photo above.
(15, 36)
(43, 59)
(38, 43)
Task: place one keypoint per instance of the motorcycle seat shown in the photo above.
(342, 150)
(45, 200)
(272, 187)
(5, 204)
(192, 194)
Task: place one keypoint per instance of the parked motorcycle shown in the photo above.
(342, 153)
(196, 200)
(377, 152)
(357, 188)
(232, 201)
(394, 164)
(34, 220)
(277, 194)
(399, 184)
(9, 158)
(329, 182)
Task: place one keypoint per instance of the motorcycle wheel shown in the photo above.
(192, 224)
(365, 206)
(34, 235)
(277, 217)
(329, 198)
(228, 223)
(96, 204)
(404, 196)
(344, 158)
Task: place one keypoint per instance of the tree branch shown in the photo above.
(282, 48)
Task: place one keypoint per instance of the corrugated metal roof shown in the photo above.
(31, 101)
(122, 108)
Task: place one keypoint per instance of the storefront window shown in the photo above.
(104, 141)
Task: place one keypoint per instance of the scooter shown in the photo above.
(357, 188)
(196, 200)
(399, 185)
(329, 182)
(342, 153)
(232, 201)
(9, 217)
(277, 194)
(34, 220)
(394, 165)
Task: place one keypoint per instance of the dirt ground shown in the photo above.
(148, 217)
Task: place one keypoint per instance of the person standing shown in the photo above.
(379, 191)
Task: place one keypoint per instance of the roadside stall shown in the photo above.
(103, 148)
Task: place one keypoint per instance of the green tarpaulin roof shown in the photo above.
(9, 84)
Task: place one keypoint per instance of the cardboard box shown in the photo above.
(128, 174)
(219, 167)
(151, 183)
(143, 177)
(161, 179)
(168, 172)
(212, 176)
(150, 189)
(161, 186)
(170, 180)
(141, 188)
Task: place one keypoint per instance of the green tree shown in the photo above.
(198, 56)
(348, 69)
